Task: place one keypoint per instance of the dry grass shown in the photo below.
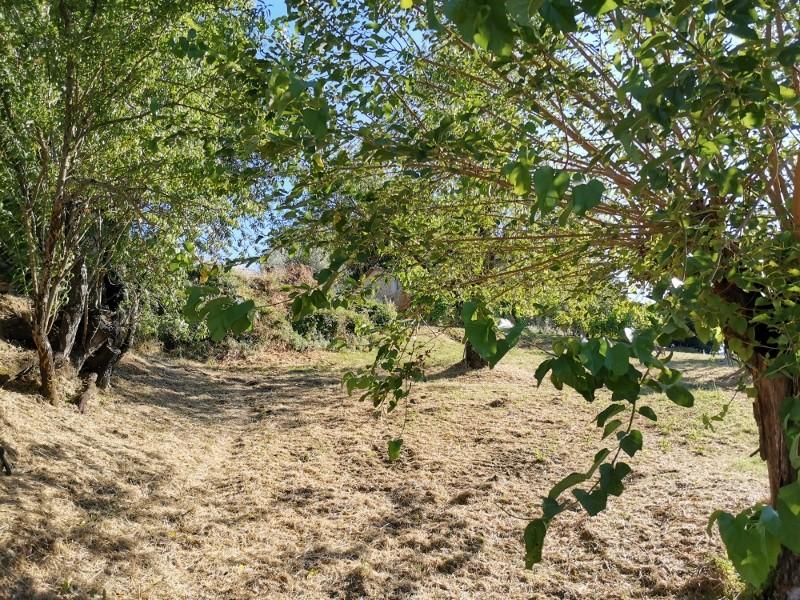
(263, 480)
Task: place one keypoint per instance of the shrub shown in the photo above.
(380, 313)
(328, 325)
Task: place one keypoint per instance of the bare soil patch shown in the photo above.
(264, 480)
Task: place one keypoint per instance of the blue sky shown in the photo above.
(276, 8)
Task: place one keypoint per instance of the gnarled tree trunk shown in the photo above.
(107, 331)
(70, 318)
(44, 351)
(774, 449)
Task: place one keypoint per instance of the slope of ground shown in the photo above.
(264, 480)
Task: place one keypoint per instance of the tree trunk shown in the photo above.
(72, 313)
(472, 359)
(786, 585)
(47, 365)
(774, 449)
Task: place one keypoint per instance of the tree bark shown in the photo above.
(774, 449)
(72, 313)
(786, 585)
(47, 365)
(472, 359)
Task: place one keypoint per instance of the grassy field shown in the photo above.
(262, 479)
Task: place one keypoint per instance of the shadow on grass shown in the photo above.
(42, 505)
(447, 551)
(208, 394)
(452, 372)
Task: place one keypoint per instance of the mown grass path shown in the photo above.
(264, 480)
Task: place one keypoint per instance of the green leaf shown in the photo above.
(586, 196)
(598, 7)
(534, 542)
(230, 317)
(594, 502)
(520, 178)
(507, 343)
(195, 295)
(551, 508)
(406, 4)
(611, 478)
(237, 317)
(752, 549)
(648, 413)
(680, 395)
(788, 55)
(742, 349)
(430, 13)
(559, 14)
(521, 11)
(611, 427)
(790, 496)
(316, 120)
(302, 306)
(789, 532)
(642, 346)
(394, 448)
(550, 187)
(610, 411)
(617, 359)
(625, 388)
(542, 369)
(632, 442)
(569, 481)
(480, 331)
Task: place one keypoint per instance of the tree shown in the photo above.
(124, 131)
(651, 141)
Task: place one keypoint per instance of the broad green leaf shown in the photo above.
(617, 359)
(631, 442)
(534, 541)
(594, 502)
(597, 8)
(611, 478)
(753, 550)
(521, 11)
(559, 14)
(316, 120)
(742, 349)
(586, 196)
(520, 178)
(789, 532)
(395, 446)
(569, 481)
(611, 427)
(648, 413)
(610, 411)
(680, 395)
(550, 187)
(790, 496)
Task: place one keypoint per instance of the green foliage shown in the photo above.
(754, 538)
(380, 313)
(481, 332)
(394, 448)
(329, 325)
(526, 157)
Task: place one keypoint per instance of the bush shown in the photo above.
(328, 325)
(162, 319)
(381, 313)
